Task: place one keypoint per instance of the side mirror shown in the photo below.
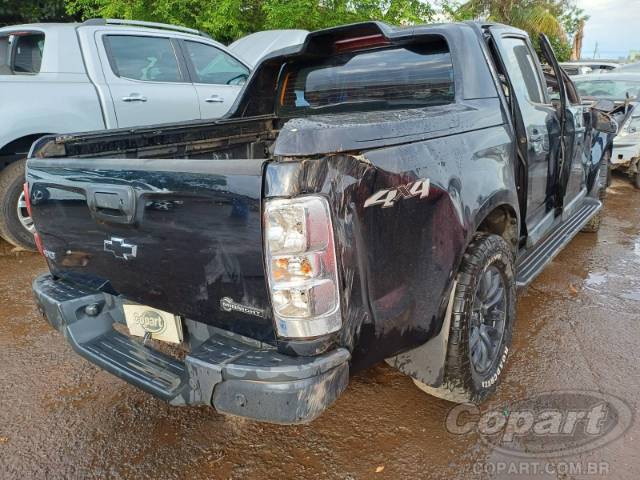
(603, 122)
(604, 105)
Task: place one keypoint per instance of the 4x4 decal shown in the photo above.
(388, 197)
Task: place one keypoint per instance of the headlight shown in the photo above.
(301, 267)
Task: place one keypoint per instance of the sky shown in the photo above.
(613, 24)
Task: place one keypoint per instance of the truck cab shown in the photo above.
(375, 194)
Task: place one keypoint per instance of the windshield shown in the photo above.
(393, 78)
(608, 89)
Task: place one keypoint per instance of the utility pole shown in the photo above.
(595, 51)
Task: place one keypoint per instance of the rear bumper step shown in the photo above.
(235, 376)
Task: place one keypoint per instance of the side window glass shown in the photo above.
(213, 66)
(149, 59)
(521, 67)
(27, 52)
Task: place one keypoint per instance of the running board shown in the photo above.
(533, 262)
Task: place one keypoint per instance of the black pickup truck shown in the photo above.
(376, 193)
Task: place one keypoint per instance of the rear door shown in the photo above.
(573, 165)
(217, 76)
(180, 235)
(538, 128)
(147, 79)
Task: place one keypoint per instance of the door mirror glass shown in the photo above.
(603, 122)
(604, 105)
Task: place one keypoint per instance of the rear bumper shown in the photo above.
(235, 376)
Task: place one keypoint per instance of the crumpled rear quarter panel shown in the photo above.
(397, 263)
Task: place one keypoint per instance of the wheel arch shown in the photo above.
(18, 148)
(499, 215)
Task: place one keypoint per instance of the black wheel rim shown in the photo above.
(488, 319)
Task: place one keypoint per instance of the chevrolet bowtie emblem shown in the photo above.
(120, 248)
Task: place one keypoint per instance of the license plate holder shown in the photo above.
(143, 320)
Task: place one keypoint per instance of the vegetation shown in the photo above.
(558, 19)
(227, 20)
(28, 11)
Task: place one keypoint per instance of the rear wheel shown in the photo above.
(16, 225)
(593, 225)
(482, 320)
(637, 181)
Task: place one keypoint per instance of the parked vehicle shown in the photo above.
(60, 78)
(255, 46)
(583, 67)
(572, 70)
(630, 68)
(622, 90)
(377, 194)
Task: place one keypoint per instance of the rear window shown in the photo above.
(414, 76)
(21, 53)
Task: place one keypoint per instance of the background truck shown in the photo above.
(375, 194)
(60, 78)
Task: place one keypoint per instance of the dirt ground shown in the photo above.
(578, 327)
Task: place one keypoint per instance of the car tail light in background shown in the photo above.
(27, 197)
(27, 200)
(301, 267)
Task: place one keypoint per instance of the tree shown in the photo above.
(227, 20)
(29, 11)
(558, 19)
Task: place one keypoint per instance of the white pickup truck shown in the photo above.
(62, 78)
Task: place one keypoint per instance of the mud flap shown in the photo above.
(426, 363)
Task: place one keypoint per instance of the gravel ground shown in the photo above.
(578, 327)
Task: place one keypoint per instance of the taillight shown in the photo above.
(360, 43)
(38, 241)
(27, 198)
(27, 201)
(301, 267)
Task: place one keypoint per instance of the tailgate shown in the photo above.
(180, 235)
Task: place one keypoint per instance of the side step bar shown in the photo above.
(533, 262)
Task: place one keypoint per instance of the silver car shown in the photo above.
(624, 90)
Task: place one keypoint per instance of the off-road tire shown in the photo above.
(637, 180)
(11, 182)
(462, 383)
(605, 173)
(593, 225)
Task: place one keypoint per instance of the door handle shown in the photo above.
(112, 203)
(215, 99)
(134, 97)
